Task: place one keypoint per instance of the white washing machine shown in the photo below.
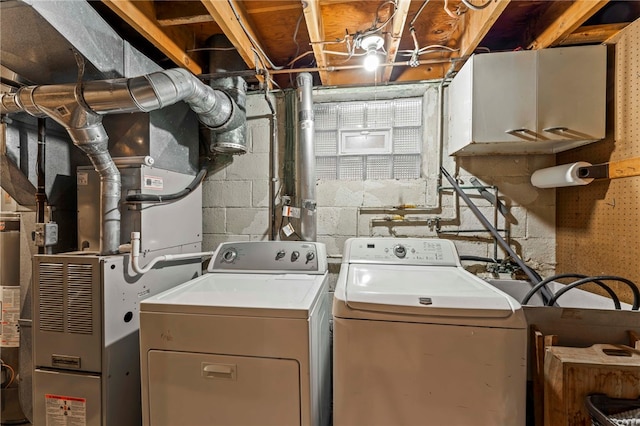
(246, 344)
(420, 341)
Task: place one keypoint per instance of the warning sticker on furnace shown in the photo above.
(9, 315)
(66, 410)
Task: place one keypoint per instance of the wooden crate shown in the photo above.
(571, 374)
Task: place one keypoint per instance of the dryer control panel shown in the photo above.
(287, 257)
(407, 251)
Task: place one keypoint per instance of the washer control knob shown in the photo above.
(280, 254)
(310, 256)
(400, 251)
(295, 255)
(230, 255)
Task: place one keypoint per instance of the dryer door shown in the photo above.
(203, 389)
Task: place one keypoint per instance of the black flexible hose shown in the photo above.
(480, 259)
(153, 198)
(534, 289)
(533, 276)
(632, 286)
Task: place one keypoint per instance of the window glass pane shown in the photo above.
(369, 140)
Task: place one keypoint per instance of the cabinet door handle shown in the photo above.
(212, 371)
(555, 129)
(520, 130)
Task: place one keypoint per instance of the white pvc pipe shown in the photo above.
(135, 256)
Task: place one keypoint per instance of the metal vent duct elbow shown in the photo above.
(306, 158)
(224, 58)
(79, 109)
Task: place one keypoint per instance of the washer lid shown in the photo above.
(269, 295)
(424, 290)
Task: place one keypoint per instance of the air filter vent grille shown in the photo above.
(51, 300)
(79, 304)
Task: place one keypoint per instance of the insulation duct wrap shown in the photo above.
(79, 109)
(307, 161)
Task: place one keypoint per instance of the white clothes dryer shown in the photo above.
(418, 340)
(248, 343)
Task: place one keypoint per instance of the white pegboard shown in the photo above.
(597, 225)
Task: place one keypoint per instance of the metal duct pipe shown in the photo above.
(79, 109)
(306, 158)
(224, 58)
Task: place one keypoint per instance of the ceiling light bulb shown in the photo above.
(371, 61)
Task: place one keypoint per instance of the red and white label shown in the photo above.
(66, 410)
(9, 315)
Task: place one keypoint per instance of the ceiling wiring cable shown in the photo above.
(474, 7)
(253, 41)
(350, 54)
(449, 12)
(300, 56)
(415, 17)
(435, 48)
(416, 47)
(534, 289)
(629, 283)
(295, 33)
(376, 21)
(438, 47)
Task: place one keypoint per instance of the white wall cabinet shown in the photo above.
(543, 101)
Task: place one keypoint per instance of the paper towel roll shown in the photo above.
(564, 175)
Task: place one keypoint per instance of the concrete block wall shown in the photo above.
(235, 200)
(236, 203)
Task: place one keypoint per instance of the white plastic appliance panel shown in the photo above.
(202, 389)
(395, 373)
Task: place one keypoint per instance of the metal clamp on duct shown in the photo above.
(79, 109)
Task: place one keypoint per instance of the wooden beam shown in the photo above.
(424, 72)
(567, 22)
(395, 35)
(476, 24)
(473, 26)
(269, 9)
(593, 34)
(150, 29)
(183, 13)
(225, 17)
(624, 168)
(313, 19)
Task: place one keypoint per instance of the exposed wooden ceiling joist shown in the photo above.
(313, 19)
(170, 13)
(567, 22)
(225, 17)
(395, 35)
(593, 34)
(475, 24)
(174, 45)
(268, 9)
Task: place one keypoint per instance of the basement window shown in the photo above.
(369, 140)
